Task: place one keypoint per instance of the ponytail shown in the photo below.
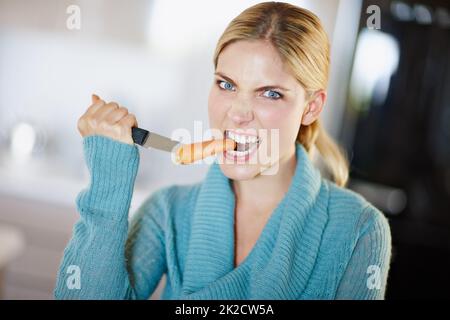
(314, 135)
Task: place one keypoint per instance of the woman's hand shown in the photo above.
(107, 119)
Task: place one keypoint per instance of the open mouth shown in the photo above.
(244, 143)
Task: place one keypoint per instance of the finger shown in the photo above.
(95, 107)
(97, 103)
(95, 98)
(129, 121)
(117, 115)
(101, 113)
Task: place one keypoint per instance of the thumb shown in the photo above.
(95, 98)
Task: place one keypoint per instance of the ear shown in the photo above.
(314, 107)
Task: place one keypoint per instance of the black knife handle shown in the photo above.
(139, 135)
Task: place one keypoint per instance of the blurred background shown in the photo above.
(388, 105)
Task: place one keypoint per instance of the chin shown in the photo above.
(243, 167)
(240, 171)
(247, 160)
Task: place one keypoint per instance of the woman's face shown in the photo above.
(254, 97)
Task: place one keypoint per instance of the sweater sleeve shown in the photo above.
(102, 260)
(366, 274)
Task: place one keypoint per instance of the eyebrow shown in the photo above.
(220, 74)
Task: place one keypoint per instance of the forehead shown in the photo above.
(254, 61)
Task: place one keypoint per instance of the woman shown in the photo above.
(239, 234)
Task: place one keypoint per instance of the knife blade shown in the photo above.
(148, 139)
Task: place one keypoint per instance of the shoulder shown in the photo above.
(351, 214)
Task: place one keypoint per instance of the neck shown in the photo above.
(266, 191)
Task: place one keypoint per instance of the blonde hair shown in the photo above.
(298, 36)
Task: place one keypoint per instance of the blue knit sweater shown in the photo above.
(321, 242)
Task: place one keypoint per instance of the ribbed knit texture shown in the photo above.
(321, 242)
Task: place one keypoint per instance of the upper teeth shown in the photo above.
(241, 138)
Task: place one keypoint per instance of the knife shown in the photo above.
(184, 153)
(148, 139)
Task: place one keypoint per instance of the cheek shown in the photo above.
(217, 106)
(286, 118)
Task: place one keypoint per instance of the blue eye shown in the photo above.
(272, 95)
(225, 85)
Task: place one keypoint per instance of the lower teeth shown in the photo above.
(242, 147)
(238, 150)
(238, 154)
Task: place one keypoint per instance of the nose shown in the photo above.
(240, 113)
